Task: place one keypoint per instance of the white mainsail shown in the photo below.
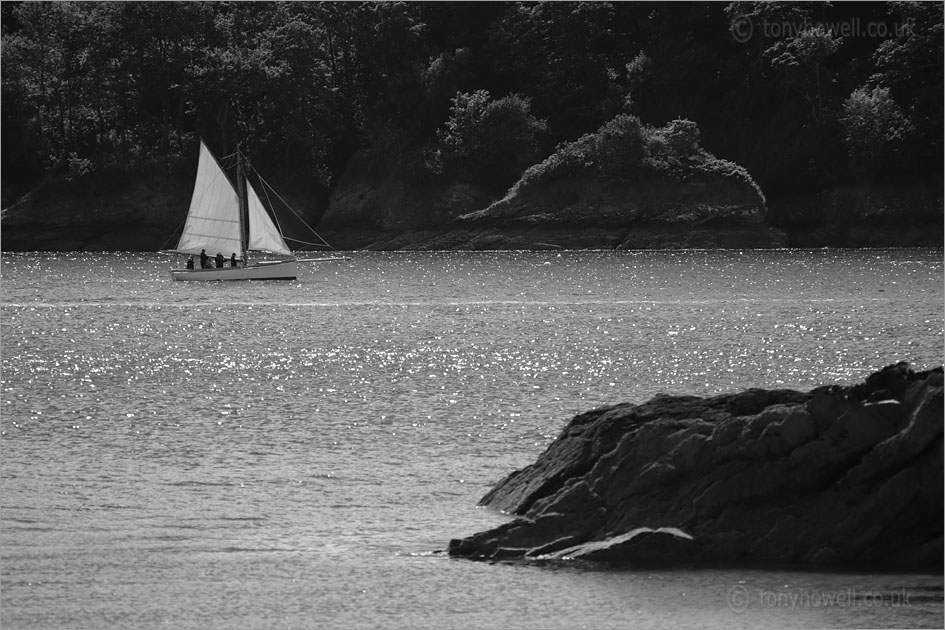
(264, 236)
(213, 220)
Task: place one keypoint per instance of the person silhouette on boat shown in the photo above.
(190, 262)
(203, 258)
(220, 260)
(233, 260)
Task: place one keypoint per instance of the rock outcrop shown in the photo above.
(625, 186)
(837, 476)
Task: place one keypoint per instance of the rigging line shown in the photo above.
(297, 240)
(291, 209)
(171, 237)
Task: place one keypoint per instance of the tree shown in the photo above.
(874, 129)
(494, 140)
(557, 54)
(804, 57)
(910, 64)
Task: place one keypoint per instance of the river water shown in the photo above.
(298, 454)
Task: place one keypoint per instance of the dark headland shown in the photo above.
(840, 476)
(625, 186)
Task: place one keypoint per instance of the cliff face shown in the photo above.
(835, 476)
(628, 214)
(863, 216)
(620, 188)
(378, 204)
(119, 212)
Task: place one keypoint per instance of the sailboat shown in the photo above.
(224, 222)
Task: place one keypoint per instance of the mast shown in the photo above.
(243, 204)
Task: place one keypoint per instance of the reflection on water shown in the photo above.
(291, 454)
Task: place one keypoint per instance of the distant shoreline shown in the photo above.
(30, 238)
(142, 214)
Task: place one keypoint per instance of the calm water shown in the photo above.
(292, 455)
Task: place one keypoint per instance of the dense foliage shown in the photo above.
(489, 140)
(626, 149)
(804, 95)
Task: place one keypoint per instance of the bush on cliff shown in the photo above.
(626, 149)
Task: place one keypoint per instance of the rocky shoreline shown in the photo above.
(374, 209)
(838, 476)
(553, 237)
(148, 236)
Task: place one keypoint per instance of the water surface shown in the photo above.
(294, 454)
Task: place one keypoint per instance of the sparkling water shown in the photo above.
(298, 454)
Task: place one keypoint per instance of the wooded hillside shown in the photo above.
(804, 96)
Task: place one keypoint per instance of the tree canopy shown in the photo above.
(803, 95)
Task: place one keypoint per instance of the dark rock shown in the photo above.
(836, 476)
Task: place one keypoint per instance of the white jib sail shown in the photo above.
(213, 220)
(264, 236)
